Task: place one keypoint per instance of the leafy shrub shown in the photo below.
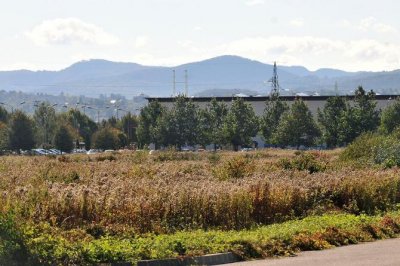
(374, 149)
(172, 155)
(303, 161)
(109, 157)
(237, 167)
(214, 158)
(12, 247)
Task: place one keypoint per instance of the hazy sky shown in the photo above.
(345, 34)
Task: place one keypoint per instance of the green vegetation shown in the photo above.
(21, 135)
(44, 244)
(80, 209)
(133, 205)
(274, 109)
(241, 124)
(63, 139)
(297, 127)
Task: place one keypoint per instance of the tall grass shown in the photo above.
(144, 193)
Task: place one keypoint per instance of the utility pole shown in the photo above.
(174, 84)
(336, 88)
(186, 83)
(274, 82)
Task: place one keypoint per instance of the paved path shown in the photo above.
(379, 253)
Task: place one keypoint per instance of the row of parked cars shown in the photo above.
(43, 152)
(58, 152)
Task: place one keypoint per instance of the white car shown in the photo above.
(93, 151)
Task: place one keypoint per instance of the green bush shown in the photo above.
(303, 161)
(237, 167)
(12, 246)
(172, 155)
(373, 148)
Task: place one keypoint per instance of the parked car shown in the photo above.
(93, 151)
(39, 152)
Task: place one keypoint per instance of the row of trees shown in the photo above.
(338, 123)
(186, 124)
(64, 131)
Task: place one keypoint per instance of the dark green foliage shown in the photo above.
(216, 115)
(329, 119)
(21, 132)
(303, 161)
(106, 139)
(146, 133)
(128, 125)
(184, 122)
(274, 109)
(360, 118)
(83, 126)
(372, 148)
(297, 127)
(241, 124)
(63, 139)
(123, 139)
(4, 138)
(4, 115)
(390, 118)
(12, 247)
(45, 123)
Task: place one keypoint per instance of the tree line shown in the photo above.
(281, 125)
(65, 131)
(186, 124)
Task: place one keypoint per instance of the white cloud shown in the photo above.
(70, 31)
(372, 23)
(369, 24)
(198, 28)
(254, 2)
(141, 41)
(315, 52)
(299, 22)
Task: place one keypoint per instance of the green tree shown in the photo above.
(359, 118)
(21, 132)
(390, 118)
(215, 116)
(184, 121)
(128, 125)
(45, 123)
(146, 131)
(3, 115)
(3, 137)
(329, 119)
(297, 127)
(274, 109)
(107, 138)
(241, 124)
(63, 139)
(84, 127)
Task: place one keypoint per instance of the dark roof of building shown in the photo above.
(264, 98)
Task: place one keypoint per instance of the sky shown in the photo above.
(353, 35)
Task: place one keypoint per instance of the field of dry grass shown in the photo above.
(171, 191)
(81, 209)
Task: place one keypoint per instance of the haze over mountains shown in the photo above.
(222, 75)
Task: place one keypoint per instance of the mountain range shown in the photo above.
(217, 76)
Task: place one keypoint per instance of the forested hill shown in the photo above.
(222, 74)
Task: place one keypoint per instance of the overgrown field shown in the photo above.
(47, 203)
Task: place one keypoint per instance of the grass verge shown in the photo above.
(52, 245)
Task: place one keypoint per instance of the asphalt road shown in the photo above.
(379, 253)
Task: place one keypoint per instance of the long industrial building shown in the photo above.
(258, 103)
